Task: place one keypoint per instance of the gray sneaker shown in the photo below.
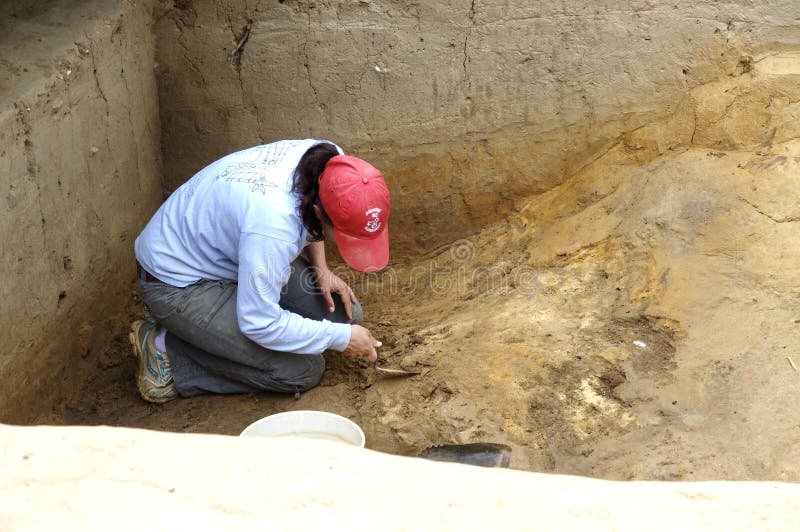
(155, 375)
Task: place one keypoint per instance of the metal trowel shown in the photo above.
(393, 372)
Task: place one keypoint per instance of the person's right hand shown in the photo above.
(362, 344)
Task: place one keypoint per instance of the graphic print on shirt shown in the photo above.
(256, 172)
(189, 186)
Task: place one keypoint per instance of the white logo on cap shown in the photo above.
(374, 222)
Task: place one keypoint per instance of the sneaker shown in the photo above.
(155, 375)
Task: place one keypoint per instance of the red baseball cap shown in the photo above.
(356, 199)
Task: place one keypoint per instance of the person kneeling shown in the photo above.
(235, 307)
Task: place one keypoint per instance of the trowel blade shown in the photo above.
(394, 372)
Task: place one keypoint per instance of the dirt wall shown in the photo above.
(79, 176)
(467, 106)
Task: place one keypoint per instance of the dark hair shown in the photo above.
(306, 185)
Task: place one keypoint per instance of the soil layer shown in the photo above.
(639, 321)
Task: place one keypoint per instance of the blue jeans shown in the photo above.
(209, 354)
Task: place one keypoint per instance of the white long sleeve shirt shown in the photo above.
(237, 219)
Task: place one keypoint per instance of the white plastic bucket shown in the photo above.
(308, 424)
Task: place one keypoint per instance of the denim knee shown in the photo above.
(307, 373)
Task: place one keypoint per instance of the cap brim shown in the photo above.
(362, 254)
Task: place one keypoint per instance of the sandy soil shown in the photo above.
(637, 322)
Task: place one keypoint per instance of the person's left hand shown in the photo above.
(329, 283)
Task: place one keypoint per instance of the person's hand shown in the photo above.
(330, 283)
(362, 344)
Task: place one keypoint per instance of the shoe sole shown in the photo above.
(139, 354)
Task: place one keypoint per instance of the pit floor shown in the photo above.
(637, 322)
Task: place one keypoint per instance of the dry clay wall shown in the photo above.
(79, 176)
(468, 106)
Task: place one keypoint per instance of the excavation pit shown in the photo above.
(594, 246)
